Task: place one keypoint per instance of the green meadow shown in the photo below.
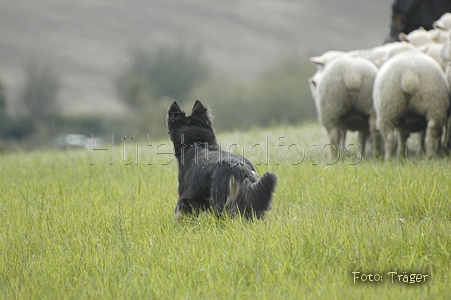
(82, 224)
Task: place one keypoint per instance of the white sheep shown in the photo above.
(411, 94)
(378, 55)
(446, 55)
(342, 91)
(434, 43)
(321, 61)
(421, 36)
(314, 81)
(444, 22)
(439, 35)
(438, 52)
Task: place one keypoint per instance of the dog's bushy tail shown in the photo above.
(246, 194)
(253, 199)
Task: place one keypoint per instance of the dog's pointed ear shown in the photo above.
(175, 110)
(198, 108)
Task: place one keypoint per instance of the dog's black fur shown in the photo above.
(210, 178)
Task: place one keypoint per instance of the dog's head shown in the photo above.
(196, 128)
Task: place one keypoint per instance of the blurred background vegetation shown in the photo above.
(147, 84)
(75, 68)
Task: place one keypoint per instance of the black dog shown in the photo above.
(210, 178)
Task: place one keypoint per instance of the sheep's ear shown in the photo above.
(436, 25)
(379, 60)
(312, 81)
(421, 28)
(317, 61)
(435, 36)
(403, 37)
(424, 49)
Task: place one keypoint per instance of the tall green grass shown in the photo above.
(75, 226)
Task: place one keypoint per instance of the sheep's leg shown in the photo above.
(376, 136)
(422, 141)
(439, 146)
(447, 142)
(362, 137)
(432, 136)
(335, 136)
(343, 133)
(388, 133)
(389, 144)
(402, 139)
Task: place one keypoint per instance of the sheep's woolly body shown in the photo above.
(409, 82)
(353, 81)
(378, 55)
(343, 96)
(346, 85)
(434, 42)
(436, 51)
(411, 94)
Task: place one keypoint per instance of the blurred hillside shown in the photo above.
(87, 41)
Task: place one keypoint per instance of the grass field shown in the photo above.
(79, 224)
